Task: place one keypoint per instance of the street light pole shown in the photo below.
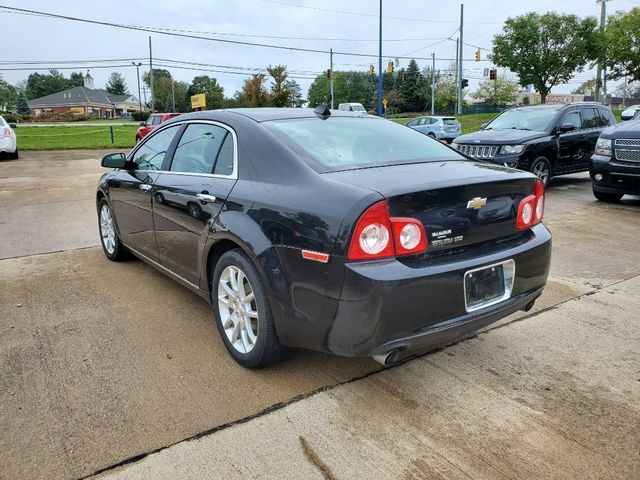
(380, 65)
(433, 84)
(138, 65)
(151, 92)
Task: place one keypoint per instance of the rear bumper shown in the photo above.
(7, 145)
(388, 305)
(617, 177)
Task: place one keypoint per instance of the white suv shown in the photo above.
(8, 143)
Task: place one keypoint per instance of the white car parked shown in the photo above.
(8, 143)
(630, 112)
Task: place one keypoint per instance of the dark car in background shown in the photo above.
(441, 128)
(330, 231)
(152, 122)
(615, 166)
(547, 140)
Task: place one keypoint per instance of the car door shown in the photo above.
(130, 192)
(189, 196)
(571, 145)
(591, 127)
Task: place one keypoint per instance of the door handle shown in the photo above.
(145, 187)
(204, 198)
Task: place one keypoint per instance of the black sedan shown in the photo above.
(327, 230)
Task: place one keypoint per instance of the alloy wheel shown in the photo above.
(541, 170)
(238, 309)
(107, 230)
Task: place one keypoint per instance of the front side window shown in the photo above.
(150, 155)
(201, 148)
(573, 118)
(347, 143)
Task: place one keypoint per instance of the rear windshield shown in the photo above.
(449, 121)
(538, 119)
(347, 143)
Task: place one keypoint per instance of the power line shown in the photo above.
(363, 14)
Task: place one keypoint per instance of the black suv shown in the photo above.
(547, 140)
(615, 166)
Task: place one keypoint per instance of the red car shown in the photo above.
(152, 122)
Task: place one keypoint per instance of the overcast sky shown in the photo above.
(418, 29)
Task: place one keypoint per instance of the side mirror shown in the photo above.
(13, 125)
(566, 127)
(114, 160)
(142, 124)
(627, 116)
(483, 126)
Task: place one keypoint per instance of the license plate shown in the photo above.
(486, 286)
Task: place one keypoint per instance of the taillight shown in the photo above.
(531, 208)
(377, 235)
(7, 132)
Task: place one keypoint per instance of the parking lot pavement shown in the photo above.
(102, 363)
(555, 396)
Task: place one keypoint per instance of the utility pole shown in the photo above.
(457, 65)
(331, 75)
(460, 56)
(380, 65)
(153, 98)
(173, 96)
(144, 91)
(433, 83)
(603, 15)
(138, 65)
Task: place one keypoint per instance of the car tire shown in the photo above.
(159, 198)
(15, 155)
(109, 239)
(541, 168)
(607, 197)
(250, 340)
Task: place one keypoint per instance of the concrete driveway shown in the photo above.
(103, 364)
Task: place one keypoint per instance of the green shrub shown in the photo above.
(140, 116)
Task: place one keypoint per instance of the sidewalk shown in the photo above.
(556, 395)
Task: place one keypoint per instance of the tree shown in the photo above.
(622, 37)
(588, 87)
(40, 85)
(410, 88)
(545, 50)
(348, 86)
(280, 94)
(161, 88)
(497, 92)
(628, 90)
(22, 105)
(254, 91)
(212, 90)
(8, 95)
(76, 79)
(295, 94)
(116, 85)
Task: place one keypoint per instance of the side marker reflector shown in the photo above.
(316, 256)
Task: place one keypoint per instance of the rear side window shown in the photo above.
(450, 121)
(590, 118)
(341, 143)
(607, 117)
(198, 148)
(151, 153)
(224, 162)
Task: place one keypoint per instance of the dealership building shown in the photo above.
(85, 100)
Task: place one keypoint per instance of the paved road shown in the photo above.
(103, 362)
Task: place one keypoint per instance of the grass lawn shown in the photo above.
(469, 123)
(67, 138)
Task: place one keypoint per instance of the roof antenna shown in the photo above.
(322, 111)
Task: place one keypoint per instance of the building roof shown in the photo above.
(78, 96)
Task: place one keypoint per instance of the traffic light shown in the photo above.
(465, 83)
(478, 55)
(493, 74)
(371, 69)
(390, 67)
(328, 73)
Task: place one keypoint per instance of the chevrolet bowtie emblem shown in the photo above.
(477, 203)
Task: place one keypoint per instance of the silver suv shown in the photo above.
(442, 128)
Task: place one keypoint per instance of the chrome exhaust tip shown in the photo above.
(388, 358)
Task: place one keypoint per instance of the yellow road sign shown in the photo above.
(384, 102)
(198, 101)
